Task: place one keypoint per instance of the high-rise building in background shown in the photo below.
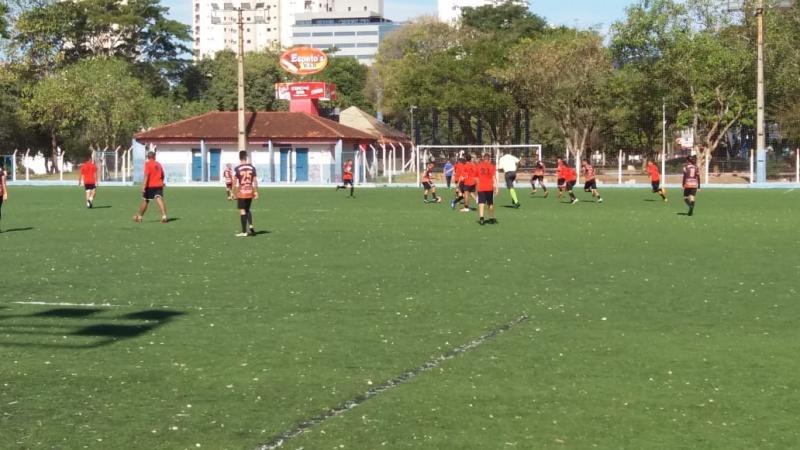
(450, 10)
(270, 24)
(353, 28)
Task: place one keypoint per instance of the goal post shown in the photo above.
(440, 154)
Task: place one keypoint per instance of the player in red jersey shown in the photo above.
(655, 180)
(469, 173)
(428, 185)
(3, 190)
(487, 187)
(347, 177)
(246, 192)
(570, 178)
(691, 183)
(88, 178)
(561, 177)
(458, 171)
(590, 177)
(537, 174)
(227, 177)
(152, 187)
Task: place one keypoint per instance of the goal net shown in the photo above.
(528, 155)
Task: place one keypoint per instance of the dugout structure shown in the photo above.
(528, 154)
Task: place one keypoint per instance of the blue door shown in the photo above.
(216, 155)
(197, 165)
(284, 165)
(301, 164)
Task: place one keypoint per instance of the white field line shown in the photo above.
(399, 380)
(790, 190)
(109, 305)
(70, 304)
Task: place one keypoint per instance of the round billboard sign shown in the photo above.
(303, 60)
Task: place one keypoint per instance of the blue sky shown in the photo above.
(583, 13)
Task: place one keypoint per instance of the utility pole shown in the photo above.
(664, 139)
(240, 76)
(761, 152)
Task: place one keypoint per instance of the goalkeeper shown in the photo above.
(508, 164)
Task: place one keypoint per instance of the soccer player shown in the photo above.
(347, 177)
(487, 188)
(227, 177)
(152, 188)
(88, 178)
(458, 173)
(655, 180)
(3, 190)
(247, 190)
(427, 183)
(561, 177)
(538, 175)
(570, 178)
(590, 177)
(469, 173)
(508, 164)
(691, 183)
(448, 172)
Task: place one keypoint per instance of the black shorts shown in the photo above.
(90, 187)
(539, 178)
(589, 185)
(570, 184)
(460, 186)
(562, 182)
(427, 186)
(347, 181)
(229, 186)
(151, 193)
(466, 188)
(244, 203)
(486, 197)
(511, 177)
(656, 185)
(689, 191)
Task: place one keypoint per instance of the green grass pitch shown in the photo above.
(645, 328)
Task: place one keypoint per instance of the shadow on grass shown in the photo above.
(682, 214)
(12, 230)
(259, 233)
(106, 331)
(648, 200)
(101, 207)
(173, 219)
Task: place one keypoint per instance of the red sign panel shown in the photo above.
(313, 90)
(303, 61)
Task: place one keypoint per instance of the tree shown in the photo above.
(350, 78)
(56, 33)
(97, 102)
(213, 81)
(433, 66)
(562, 76)
(3, 21)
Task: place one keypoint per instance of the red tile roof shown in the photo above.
(221, 127)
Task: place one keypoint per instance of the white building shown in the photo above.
(357, 37)
(285, 147)
(450, 10)
(355, 28)
(267, 23)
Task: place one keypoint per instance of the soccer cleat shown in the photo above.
(438, 199)
(465, 210)
(242, 234)
(137, 218)
(574, 200)
(691, 212)
(481, 221)
(425, 200)
(493, 221)
(164, 219)
(88, 204)
(546, 194)
(453, 204)
(599, 200)
(665, 199)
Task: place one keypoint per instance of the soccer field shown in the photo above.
(383, 323)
